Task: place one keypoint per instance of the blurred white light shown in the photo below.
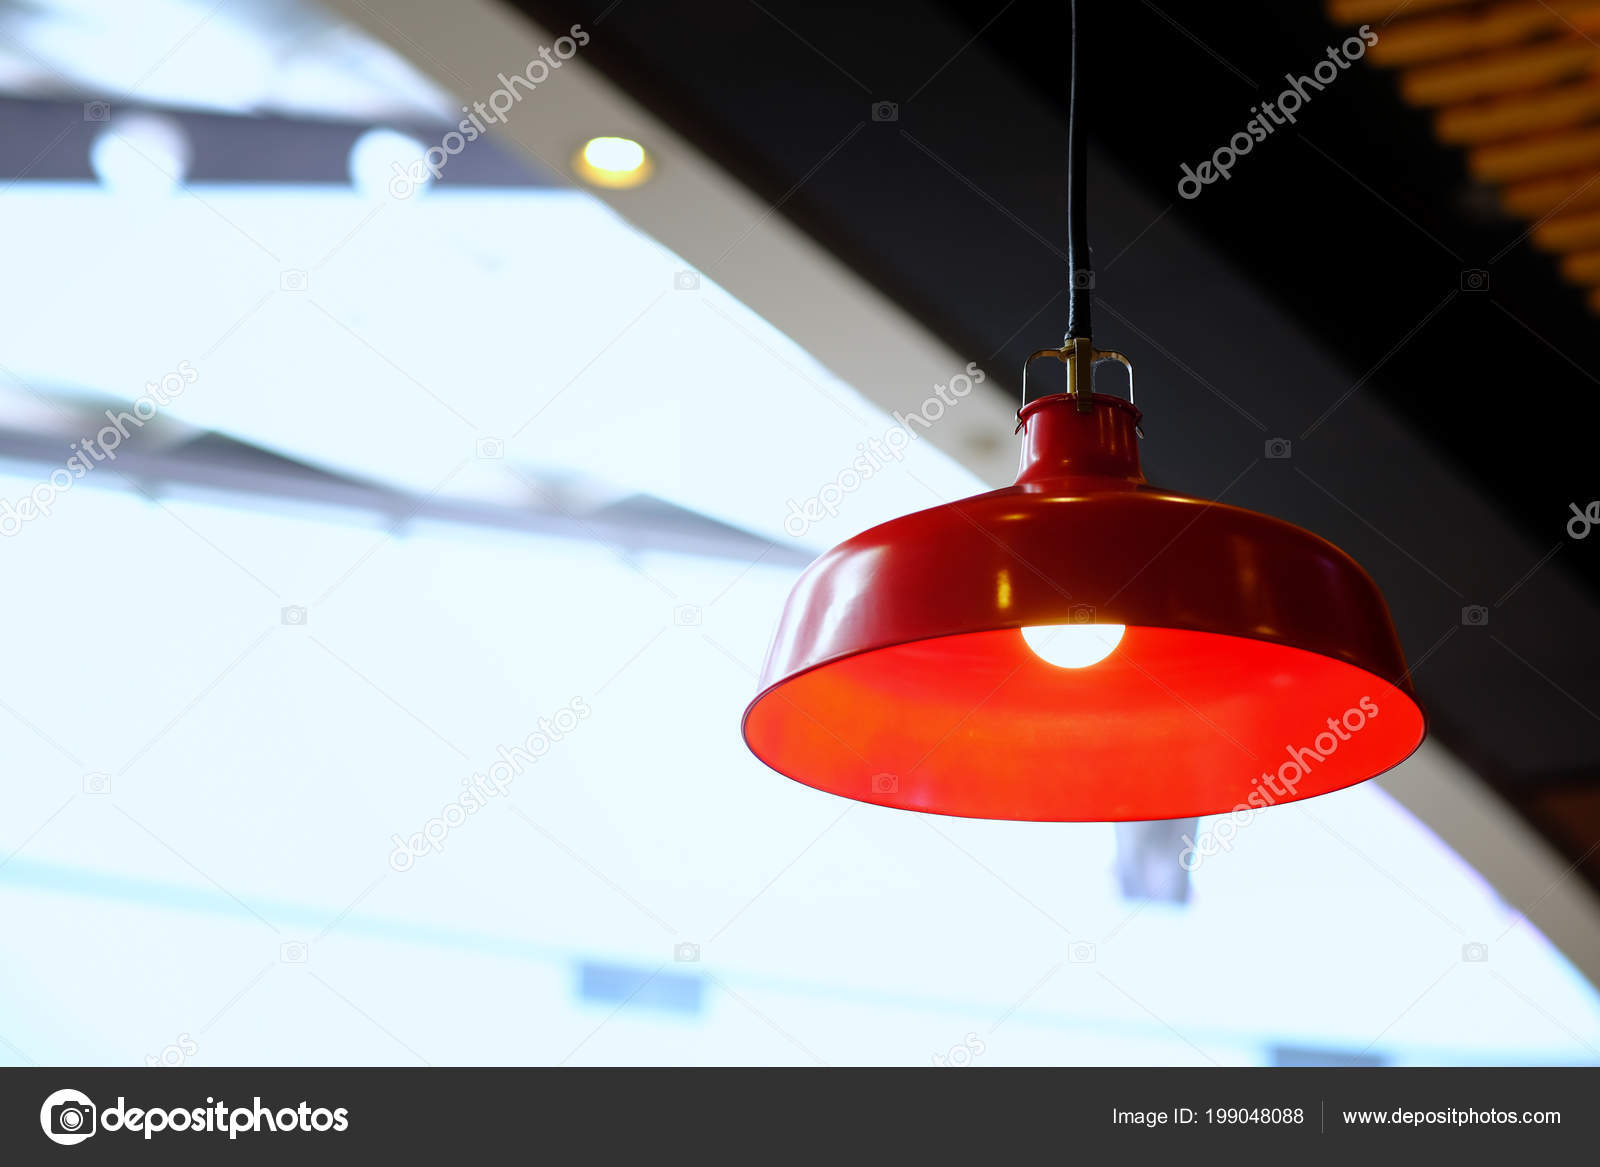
(1073, 646)
(141, 154)
(613, 162)
(614, 153)
(387, 163)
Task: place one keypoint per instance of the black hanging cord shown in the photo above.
(1079, 263)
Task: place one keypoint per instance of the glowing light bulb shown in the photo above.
(613, 162)
(1073, 646)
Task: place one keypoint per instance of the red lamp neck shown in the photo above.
(1060, 441)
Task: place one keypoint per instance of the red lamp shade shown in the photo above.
(1257, 665)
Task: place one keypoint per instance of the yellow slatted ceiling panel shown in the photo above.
(1516, 85)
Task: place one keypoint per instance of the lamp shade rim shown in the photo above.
(1411, 735)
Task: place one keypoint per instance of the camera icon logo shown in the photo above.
(1080, 952)
(67, 1117)
(686, 281)
(1475, 952)
(686, 615)
(294, 280)
(97, 111)
(295, 614)
(1082, 613)
(686, 953)
(1475, 616)
(97, 782)
(293, 952)
(1474, 279)
(1279, 448)
(489, 448)
(886, 784)
(885, 111)
(1083, 278)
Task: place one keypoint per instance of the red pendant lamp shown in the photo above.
(1082, 646)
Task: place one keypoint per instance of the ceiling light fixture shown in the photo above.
(617, 163)
(1082, 646)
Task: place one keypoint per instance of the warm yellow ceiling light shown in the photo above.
(613, 162)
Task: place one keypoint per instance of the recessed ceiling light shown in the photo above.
(385, 162)
(613, 162)
(141, 154)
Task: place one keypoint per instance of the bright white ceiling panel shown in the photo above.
(394, 340)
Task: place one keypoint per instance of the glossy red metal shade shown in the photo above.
(1259, 664)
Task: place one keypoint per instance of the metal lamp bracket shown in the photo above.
(1080, 356)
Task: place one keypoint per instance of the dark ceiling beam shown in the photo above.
(49, 141)
(213, 466)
